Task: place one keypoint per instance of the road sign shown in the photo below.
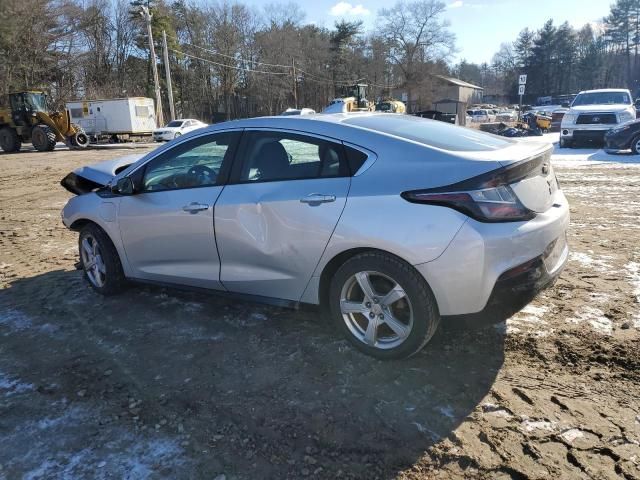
(521, 90)
(522, 80)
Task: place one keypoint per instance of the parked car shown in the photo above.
(176, 128)
(593, 113)
(393, 222)
(507, 116)
(480, 116)
(624, 137)
(298, 111)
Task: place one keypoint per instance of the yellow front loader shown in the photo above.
(27, 119)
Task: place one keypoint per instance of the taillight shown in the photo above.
(497, 204)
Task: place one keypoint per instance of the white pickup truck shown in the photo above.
(593, 113)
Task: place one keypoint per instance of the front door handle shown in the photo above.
(195, 207)
(317, 198)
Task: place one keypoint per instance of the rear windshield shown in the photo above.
(432, 132)
(602, 98)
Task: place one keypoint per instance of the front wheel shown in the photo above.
(635, 145)
(9, 140)
(565, 143)
(100, 261)
(177, 134)
(383, 306)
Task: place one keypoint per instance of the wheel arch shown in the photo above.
(332, 266)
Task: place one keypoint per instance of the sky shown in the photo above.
(480, 26)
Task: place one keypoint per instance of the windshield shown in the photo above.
(602, 98)
(36, 102)
(175, 123)
(432, 133)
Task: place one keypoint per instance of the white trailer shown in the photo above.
(118, 118)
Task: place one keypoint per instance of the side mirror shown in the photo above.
(124, 186)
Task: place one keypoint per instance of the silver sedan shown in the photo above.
(392, 222)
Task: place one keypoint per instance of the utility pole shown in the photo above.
(147, 16)
(168, 74)
(295, 82)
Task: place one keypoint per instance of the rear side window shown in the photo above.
(432, 132)
(355, 159)
(273, 156)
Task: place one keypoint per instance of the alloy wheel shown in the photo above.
(92, 261)
(376, 309)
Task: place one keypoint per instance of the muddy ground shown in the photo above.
(162, 384)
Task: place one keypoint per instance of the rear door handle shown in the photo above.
(195, 207)
(317, 198)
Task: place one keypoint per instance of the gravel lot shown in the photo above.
(162, 384)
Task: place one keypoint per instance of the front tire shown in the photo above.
(565, 143)
(177, 134)
(43, 138)
(100, 261)
(383, 306)
(9, 140)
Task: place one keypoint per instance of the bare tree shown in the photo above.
(416, 34)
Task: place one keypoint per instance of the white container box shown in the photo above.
(118, 116)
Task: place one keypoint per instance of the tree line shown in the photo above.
(229, 60)
(563, 60)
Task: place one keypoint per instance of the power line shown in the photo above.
(228, 66)
(245, 60)
(312, 77)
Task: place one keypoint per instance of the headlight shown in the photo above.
(625, 117)
(569, 118)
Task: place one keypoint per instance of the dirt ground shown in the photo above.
(162, 384)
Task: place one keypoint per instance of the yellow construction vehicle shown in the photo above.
(27, 119)
(354, 100)
(391, 106)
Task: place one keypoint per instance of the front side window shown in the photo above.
(271, 156)
(196, 163)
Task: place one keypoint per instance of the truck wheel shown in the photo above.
(635, 145)
(43, 138)
(565, 143)
(9, 140)
(80, 138)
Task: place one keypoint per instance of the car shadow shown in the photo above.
(249, 390)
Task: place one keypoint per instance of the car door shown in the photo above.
(167, 227)
(275, 217)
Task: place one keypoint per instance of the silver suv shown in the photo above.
(593, 113)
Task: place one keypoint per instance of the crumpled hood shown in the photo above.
(88, 178)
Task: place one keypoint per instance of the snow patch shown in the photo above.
(595, 317)
(571, 434)
(15, 320)
(588, 260)
(533, 425)
(11, 386)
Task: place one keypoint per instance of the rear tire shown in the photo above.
(635, 145)
(100, 261)
(9, 140)
(43, 138)
(376, 323)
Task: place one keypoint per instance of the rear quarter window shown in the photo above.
(432, 133)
